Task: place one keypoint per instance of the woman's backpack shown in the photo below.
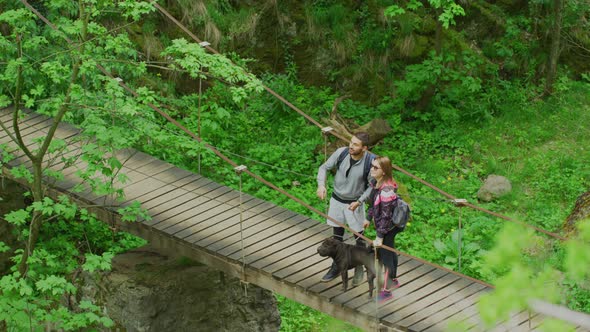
(401, 214)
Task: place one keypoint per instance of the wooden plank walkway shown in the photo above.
(196, 217)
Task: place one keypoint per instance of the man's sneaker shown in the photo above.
(384, 296)
(332, 273)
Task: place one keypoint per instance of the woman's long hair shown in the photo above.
(387, 169)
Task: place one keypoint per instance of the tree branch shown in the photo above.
(17, 102)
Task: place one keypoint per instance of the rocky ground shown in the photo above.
(147, 291)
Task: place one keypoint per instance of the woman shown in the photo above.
(382, 201)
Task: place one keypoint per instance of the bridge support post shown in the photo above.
(239, 170)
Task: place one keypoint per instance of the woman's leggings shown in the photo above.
(389, 258)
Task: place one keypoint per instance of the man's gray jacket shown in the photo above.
(351, 188)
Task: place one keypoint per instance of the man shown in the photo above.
(351, 190)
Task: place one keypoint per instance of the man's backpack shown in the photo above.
(367, 166)
(401, 214)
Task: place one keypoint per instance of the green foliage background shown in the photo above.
(458, 114)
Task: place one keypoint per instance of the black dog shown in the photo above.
(347, 257)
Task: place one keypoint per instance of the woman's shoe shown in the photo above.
(393, 283)
(384, 296)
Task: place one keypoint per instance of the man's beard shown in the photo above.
(354, 152)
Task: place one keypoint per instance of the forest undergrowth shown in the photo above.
(539, 145)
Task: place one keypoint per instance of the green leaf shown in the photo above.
(114, 163)
(450, 259)
(133, 212)
(19, 19)
(18, 217)
(393, 11)
(4, 100)
(96, 262)
(21, 172)
(440, 246)
(414, 4)
(3, 247)
(136, 9)
(54, 285)
(38, 90)
(29, 102)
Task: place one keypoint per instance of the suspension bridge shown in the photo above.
(262, 243)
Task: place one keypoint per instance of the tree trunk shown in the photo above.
(37, 219)
(438, 33)
(581, 211)
(555, 46)
(430, 91)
